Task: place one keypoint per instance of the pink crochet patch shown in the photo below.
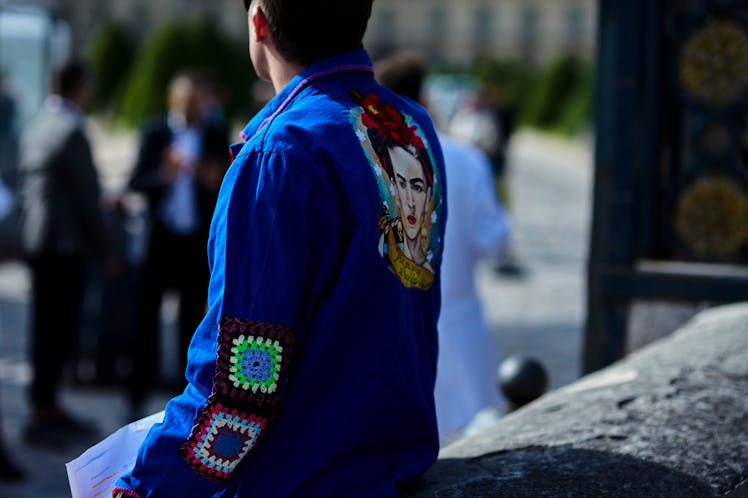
(220, 440)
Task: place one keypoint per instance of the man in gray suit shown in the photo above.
(62, 226)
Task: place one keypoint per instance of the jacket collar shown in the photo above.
(354, 60)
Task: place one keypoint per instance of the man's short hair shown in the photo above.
(306, 31)
(403, 72)
(70, 78)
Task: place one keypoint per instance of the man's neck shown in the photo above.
(282, 72)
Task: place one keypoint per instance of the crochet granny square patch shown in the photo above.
(220, 439)
(251, 366)
(252, 361)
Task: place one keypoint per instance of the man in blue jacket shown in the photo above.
(312, 373)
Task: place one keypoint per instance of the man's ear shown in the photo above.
(259, 22)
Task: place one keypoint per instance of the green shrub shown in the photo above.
(109, 54)
(555, 83)
(510, 77)
(556, 97)
(576, 112)
(174, 47)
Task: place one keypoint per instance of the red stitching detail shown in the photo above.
(128, 492)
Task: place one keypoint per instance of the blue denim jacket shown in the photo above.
(312, 373)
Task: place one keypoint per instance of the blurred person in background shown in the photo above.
(181, 162)
(312, 374)
(487, 121)
(9, 121)
(8, 133)
(8, 469)
(478, 229)
(62, 227)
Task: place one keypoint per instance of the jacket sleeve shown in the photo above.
(86, 198)
(146, 174)
(261, 234)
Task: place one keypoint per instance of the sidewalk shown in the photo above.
(540, 314)
(46, 475)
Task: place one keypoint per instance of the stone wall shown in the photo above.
(671, 419)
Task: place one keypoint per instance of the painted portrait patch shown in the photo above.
(410, 189)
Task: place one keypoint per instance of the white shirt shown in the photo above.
(178, 209)
(477, 228)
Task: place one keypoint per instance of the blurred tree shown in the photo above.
(511, 77)
(548, 95)
(109, 53)
(557, 96)
(576, 112)
(173, 47)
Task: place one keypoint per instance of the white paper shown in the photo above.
(95, 472)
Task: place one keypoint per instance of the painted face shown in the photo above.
(412, 191)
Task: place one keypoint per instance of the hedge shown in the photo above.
(173, 47)
(110, 55)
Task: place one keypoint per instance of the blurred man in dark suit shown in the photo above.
(62, 226)
(180, 165)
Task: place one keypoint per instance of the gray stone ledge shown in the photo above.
(669, 420)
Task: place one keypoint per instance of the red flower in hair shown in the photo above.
(389, 121)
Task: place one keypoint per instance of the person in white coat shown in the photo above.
(477, 229)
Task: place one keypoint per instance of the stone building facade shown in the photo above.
(454, 32)
(449, 31)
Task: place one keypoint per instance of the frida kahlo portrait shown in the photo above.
(409, 188)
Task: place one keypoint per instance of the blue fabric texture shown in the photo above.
(312, 373)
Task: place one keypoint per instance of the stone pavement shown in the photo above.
(540, 314)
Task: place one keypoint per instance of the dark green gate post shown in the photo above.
(670, 206)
